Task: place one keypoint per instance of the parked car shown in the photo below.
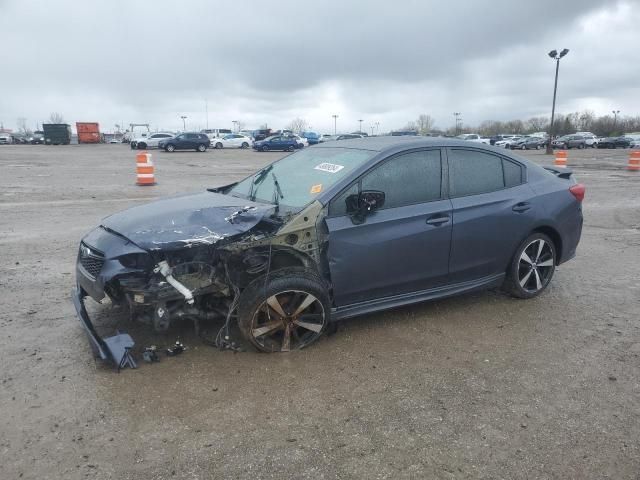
(615, 142)
(507, 142)
(302, 141)
(474, 137)
(590, 139)
(325, 137)
(569, 141)
(348, 136)
(528, 143)
(186, 141)
(214, 133)
(278, 142)
(36, 138)
(5, 139)
(233, 140)
(312, 137)
(150, 140)
(261, 134)
(332, 232)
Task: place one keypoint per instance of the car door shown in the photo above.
(493, 209)
(401, 247)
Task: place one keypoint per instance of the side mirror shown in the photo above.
(362, 204)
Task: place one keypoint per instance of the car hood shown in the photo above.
(187, 220)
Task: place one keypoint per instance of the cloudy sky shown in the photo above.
(268, 62)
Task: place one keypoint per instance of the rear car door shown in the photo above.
(493, 209)
(401, 247)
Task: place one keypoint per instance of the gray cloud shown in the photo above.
(383, 61)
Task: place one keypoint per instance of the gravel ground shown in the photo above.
(478, 386)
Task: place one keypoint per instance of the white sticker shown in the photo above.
(329, 167)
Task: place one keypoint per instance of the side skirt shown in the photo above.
(371, 306)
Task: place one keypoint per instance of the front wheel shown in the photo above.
(523, 147)
(291, 148)
(202, 147)
(265, 148)
(244, 145)
(288, 310)
(170, 148)
(532, 267)
(218, 145)
(141, 146)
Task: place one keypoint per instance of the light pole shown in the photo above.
(235, 125)
(554, 55)
(458, 121)
(206, 110)
(377, 128)
(335, 124)
(184, 125)
(372, 128)
(615, 119)
(360, 129)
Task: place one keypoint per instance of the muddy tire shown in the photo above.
(289, 310)
(532, 267)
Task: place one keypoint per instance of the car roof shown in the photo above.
(384, 144)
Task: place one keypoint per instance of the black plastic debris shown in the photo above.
(176, 349)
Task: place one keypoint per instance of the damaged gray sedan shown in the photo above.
(332, 232)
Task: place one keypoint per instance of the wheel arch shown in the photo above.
(555, 237)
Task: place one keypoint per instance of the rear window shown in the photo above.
(472, 172)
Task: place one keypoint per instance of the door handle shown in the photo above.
(438, 219)
(521, 207)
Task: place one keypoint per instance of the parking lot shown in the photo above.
(478, 386)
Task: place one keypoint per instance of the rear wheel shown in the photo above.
(244, 145)
(289, 310)
(532, 267)
(291, 148)
(202, 147)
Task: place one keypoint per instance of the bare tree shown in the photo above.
(537, 124)
(22, 126)
(424, 124)
(56, 117)
(298, 125)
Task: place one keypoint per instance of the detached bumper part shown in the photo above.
(116, 349)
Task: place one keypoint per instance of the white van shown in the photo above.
(213, 133)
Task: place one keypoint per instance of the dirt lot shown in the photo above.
(480, 386)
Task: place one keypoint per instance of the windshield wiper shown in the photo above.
(257, 180)
(277, 192)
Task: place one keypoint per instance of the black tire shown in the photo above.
(265, 148)
(244, 145)
(218, 145)
(290, 148)
(288, 290)
(141, 146)
(528, 279)
(201, 148)
(132, 145)
(523, 147)
(170, 148)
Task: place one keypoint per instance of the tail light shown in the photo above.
(577, 191)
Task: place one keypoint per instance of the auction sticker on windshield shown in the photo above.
(329, 167)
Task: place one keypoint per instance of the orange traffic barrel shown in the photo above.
(144, 169)
(561, 159)
(634, 161)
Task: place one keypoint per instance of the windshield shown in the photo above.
(301, 176)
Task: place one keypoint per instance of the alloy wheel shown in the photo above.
(536, 266)
(288, 320)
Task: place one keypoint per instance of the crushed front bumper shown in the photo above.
(114, 350)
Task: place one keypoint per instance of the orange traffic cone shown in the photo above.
(145, 169)
(634, 161)
(561, 159)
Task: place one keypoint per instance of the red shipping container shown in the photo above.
(88, 132)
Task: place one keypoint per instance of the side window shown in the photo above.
(338, 206)
(512, 173)
(472, 172)
(407, 179)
